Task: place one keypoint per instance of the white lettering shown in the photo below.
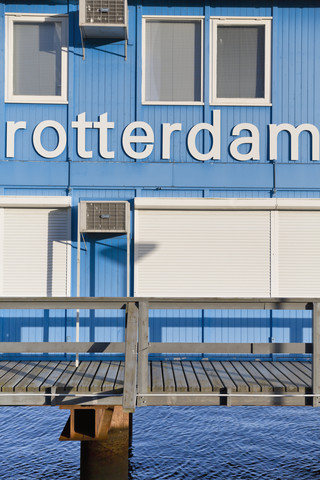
(81, 125)
(62, 139)
(167, 129)
(148, 138)
(12, 127)
(254, 153)
(103, 125)
(214, 130)
(294, 134)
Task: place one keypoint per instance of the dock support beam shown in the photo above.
(108, 460)
(105, 437)
(316, 354)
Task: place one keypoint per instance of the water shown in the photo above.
(182, 443)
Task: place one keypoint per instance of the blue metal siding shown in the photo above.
(2, 78)
(105, 82)
(34, 114)
(52, 191)
(296, 66)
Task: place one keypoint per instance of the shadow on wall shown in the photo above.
(57, 254)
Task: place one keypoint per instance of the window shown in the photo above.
(36, 58)
(240, 248)
(241, 53)
(172, 60)
(35, 246)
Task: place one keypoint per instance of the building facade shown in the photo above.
(204, 117)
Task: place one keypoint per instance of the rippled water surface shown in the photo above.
(275, 443)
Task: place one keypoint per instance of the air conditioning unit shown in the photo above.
(103, 18)
(104, 217)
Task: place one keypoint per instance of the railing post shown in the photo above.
(143, 351)
(130, 366)
(316, 354)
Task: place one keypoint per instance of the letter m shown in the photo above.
(294, 135)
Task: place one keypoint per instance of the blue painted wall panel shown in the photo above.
(104, 81)
(33, 115)
(2, 80)
(36, 192)
(95, 90)
(43, 173)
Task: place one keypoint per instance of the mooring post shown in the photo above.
(316, 354)
(143, 352)
(108, 460)
(130, 365)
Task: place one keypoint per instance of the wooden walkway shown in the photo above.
(170, 383)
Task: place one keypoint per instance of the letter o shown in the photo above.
(62, 139)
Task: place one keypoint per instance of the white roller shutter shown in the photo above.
(202, 253)
(299, 253)
(227, 247)
(35, 251)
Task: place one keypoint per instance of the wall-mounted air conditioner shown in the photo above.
(101, 218)
(104, 217)
(103, 18)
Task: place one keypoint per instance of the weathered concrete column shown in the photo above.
(108, 459)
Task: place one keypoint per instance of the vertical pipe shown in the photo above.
(128, 263)
(316, 354)
(274, 189)
(78, 284)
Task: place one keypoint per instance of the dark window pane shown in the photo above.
(241, 61)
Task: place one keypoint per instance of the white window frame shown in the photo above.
(241, 21)
(11, 18)
(167, 18)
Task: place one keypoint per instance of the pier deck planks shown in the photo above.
(200, 379)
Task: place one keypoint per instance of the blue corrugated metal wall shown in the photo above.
(106, 82)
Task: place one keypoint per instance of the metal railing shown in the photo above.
(137, 346)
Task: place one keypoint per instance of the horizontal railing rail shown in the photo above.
(96, 303)
(62, 347)
(241, 348)
(157, 347)
(137, 346)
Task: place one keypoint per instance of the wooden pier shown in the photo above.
(176, 382)
(139, 380)
(102, 389)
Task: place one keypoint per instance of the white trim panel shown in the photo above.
(226, 203)
(29, 201)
